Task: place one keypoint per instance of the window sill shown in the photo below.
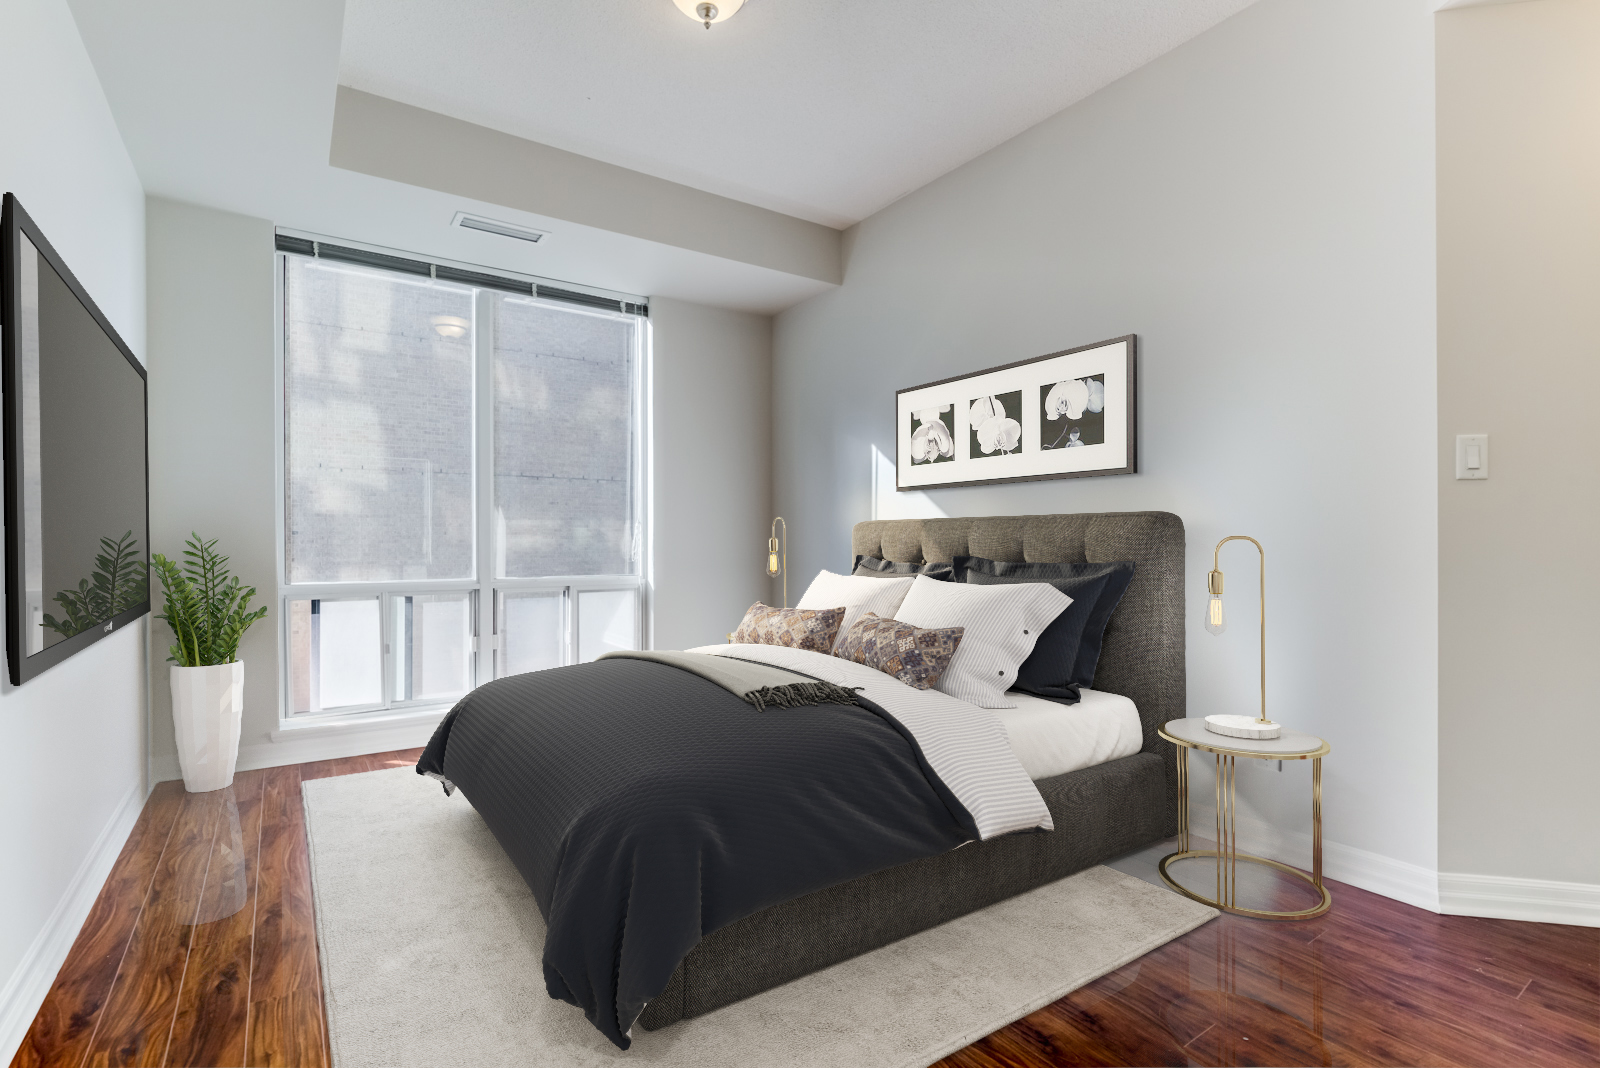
(358, 723)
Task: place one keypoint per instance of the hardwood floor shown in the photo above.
(201, 950)
(202, 947)
(1371, 982)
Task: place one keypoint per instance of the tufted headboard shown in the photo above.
(1143, 656)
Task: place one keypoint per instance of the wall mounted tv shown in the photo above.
(77, 498)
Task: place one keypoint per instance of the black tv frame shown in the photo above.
(14, 220)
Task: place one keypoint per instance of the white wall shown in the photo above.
(713, 455)
(1257, 206)
(75, 736)
(1519, 359)
(212, 431)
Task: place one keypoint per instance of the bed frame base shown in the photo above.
(1100, 813)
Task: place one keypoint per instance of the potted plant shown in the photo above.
(208, 611)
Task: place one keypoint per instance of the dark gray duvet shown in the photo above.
(646, 807)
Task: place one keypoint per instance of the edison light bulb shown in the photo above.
(772, 557)
(1216, 621)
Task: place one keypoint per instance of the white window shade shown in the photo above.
(378, 405)
(565, 451)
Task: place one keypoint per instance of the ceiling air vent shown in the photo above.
(495, 226)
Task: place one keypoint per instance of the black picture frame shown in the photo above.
(15, 221)
(1126, 394)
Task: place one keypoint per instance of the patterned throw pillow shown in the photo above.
(797, 628)
(916, 657)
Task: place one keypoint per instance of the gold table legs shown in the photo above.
(1227, 855)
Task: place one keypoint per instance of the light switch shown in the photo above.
(1472, 456)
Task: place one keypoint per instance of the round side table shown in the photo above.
(1187, 734)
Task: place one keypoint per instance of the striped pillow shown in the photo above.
(915, 657)
(1000, 626)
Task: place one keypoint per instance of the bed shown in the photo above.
(724, 949)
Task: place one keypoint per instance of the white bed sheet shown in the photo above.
(1053, 739)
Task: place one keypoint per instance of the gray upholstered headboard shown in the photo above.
(1143, 656)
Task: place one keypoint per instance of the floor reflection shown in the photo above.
(1256, 886)
(1235, 1004)
(226, 887)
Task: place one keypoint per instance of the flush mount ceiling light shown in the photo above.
(707, 12)
(450, 325)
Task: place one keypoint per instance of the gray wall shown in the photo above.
(1257, 206)
(75, 736)
(212, 452)
(1519, 359)
(211, 430)
(713, 456)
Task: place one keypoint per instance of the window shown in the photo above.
(462, 479)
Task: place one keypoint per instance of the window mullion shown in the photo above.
(391, 642)
(484, 663)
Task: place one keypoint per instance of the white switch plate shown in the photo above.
(1472, 456)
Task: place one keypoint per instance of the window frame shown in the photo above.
(483, 585)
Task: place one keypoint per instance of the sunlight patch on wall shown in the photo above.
(888, 503)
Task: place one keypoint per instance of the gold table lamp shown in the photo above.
(778, 558)
(1216, 623)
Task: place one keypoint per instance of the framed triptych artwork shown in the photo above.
(1062, 415)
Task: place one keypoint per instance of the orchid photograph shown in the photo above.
(996, 424)
(934, 439)
(1065, 414)
(1072, 413)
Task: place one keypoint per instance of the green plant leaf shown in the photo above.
(206, 607)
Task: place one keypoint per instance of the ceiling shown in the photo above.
(823, 109)
(817, 108)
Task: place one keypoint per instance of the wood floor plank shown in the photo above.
(214, 1005)
(65, 1022)
(404, 758)
(137, 1020)
(1107, 1032)
(1425, 993)
(285, 933)
(325, 769)
(287, 1032)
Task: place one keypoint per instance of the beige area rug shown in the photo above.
(430, 944)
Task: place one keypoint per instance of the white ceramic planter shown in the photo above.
(207, 706)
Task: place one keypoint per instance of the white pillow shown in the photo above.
(857, 595)
(1001, 624)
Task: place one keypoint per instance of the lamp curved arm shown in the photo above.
(1214, 583)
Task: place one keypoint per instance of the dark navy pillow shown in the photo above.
(875, 567)
(1064, 659)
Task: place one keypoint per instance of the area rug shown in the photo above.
(430, 945)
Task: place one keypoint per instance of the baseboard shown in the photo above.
(324, 741)
(1447, 5)
(298, 745)
(1505, 898)
(25, 990)
(1397, 879)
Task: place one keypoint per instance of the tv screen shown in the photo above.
(77, 531)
